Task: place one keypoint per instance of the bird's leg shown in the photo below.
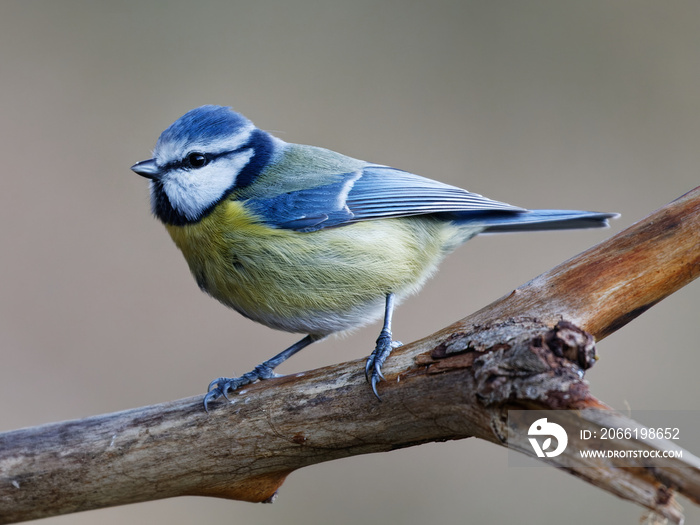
(221, 386)
(373, 368)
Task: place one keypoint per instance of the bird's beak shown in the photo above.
(147, 168)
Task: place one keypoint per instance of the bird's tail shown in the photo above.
(536, 220)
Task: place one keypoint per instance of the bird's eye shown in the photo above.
(196, 160)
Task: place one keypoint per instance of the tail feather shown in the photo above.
(538, 220)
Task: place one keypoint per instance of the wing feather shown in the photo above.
(375, 192)
(388, 192)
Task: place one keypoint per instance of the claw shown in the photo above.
(378, 373)
(211, 396)
(225, 390)
(368, 366)
(373, 383)
(215, 384)
(373, 373)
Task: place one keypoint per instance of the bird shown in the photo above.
(306, 240)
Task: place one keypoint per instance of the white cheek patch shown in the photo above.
(191, 192)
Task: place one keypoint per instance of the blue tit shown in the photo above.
(306, 240)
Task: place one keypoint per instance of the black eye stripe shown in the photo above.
(185, 163)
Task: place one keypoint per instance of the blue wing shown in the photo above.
(374, 192)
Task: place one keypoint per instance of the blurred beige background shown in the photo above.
(592, 105)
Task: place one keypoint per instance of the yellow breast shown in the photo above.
(317, 282)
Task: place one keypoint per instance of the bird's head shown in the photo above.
(200, 159)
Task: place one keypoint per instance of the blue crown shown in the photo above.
(204, 124)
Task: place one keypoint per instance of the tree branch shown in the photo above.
(527, 350)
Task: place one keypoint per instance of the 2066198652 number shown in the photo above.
(639, 433)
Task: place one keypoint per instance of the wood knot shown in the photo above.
(569, 341)
(539, 363)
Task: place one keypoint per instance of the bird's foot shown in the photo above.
(223, 385)
(373, 368)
